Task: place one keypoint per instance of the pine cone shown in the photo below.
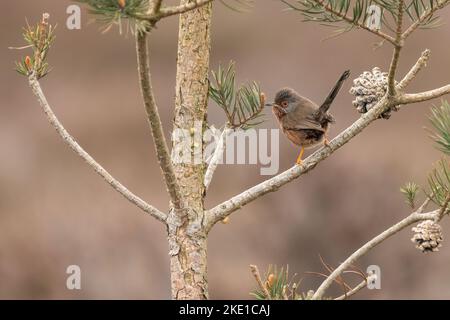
(427, 236)
(368, 89)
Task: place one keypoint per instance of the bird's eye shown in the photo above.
(284, 104)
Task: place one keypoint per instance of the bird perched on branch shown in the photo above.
(302, 121)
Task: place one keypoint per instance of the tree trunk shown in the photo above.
(187, 236)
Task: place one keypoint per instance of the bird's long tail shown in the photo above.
(327, 103)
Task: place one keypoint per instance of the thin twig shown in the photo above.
(424, 205)
(397, 48)
(173, 10)
(378, 33)
(154, 120)
(259, 281)
(427, 14)
(409, 220)
(408, 98)
(68, 139)
(421, 63)
(356, 289)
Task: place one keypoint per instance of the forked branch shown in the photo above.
(411, 219)
(69, 140)
(154, 120)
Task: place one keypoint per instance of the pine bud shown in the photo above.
(28, 63)
(270, 280)
(226, 220)
(262, 99)
(122, 3)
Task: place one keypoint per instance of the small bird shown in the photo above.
(302, 121)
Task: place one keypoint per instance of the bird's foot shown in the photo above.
(326, 142)
(299, 161)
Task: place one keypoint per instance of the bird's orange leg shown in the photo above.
(326, 142)
(299, 158)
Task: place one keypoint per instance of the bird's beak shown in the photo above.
(269, 104)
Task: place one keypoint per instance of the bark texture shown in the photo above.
(187, 235)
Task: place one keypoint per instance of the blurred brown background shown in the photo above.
(54, 211)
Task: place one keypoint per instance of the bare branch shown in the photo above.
(154, 120)
(217, 156)
(409, 220)
(356, 289)
(427, 14)
(69, 140)
(408, 98)
(424, 205)
(163, 12)
(421, 63)
(397, 48)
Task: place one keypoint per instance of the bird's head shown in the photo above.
(286, 100)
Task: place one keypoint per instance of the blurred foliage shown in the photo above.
(243, 106)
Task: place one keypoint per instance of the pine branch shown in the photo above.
(408, 221)
(360, 286)
(165, 12)
(397, 49)
(410, 190)
(440, 119)
(421, 63)
(154, 121)
(337, 12)
(70, 141)
(409, 98)
(243, 106)
(425, 16)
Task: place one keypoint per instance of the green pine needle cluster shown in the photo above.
(279, 285)
(410, 191)
(243, 106)
(439, 183)
(439, 179)
(356, 12)
(440, 119)
(116, 12)
(416, 8)
(39, 38)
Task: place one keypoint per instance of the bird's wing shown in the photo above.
(303, 124)
(303, 118)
